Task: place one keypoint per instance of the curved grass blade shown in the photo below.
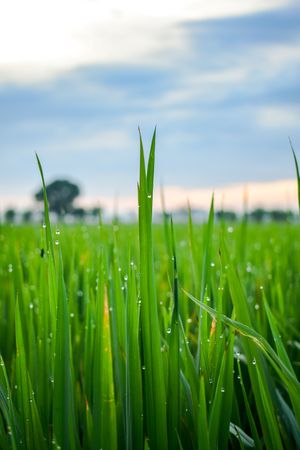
(50, 246)
(297, 172)
(283, 372)
(240, 434)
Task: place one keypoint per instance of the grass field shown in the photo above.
(140, 336)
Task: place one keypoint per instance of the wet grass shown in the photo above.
(141, 336)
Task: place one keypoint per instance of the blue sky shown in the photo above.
(223, 90)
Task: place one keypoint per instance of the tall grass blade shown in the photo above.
(155, 393)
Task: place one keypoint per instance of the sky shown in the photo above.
(219, 79)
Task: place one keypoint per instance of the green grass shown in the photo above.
(150, 336)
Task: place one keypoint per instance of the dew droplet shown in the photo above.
(222, 390)
(57, 232)
(256, 306)
(169, 330)
(254, 361)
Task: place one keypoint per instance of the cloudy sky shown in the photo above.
(220, 79)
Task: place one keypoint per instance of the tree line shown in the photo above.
(61, 195)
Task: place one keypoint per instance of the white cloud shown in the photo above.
(283, 117)
(109, 140)
(39, 40)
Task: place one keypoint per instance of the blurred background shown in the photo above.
(219, 79)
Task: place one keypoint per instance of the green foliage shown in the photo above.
(149, 336)
(60, 194)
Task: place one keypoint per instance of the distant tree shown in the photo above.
(79, 213)
(27, 216)
(96, 212)
(228, 216)
(258, 215)
(278, 215)
(61, 194)
(10, 215)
